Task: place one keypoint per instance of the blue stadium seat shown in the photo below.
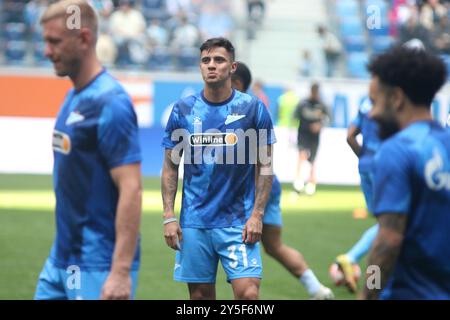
(351, 27)
(380, 4)
(347, 8)
(354, 43)
(380, 44)
(39, 54)
(154, 9)
(160, 59)
(356, 65)
(15, 31)
(379, 32)
(15, 51)
(188, 59)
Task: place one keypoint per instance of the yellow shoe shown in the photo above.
(347, 269)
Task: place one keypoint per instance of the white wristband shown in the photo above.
(169, 220)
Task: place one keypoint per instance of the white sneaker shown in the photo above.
(310, 189)
(299, 185)
(324, 293)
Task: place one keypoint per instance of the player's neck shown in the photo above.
(89, 69)
(217, 94)
(416, 114)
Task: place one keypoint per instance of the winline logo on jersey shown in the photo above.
(216, 147)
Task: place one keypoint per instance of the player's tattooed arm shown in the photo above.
(264, 176)
(386, 249)
(169, 184)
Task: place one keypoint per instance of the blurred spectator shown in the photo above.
(430, 14)
(332, 49)
(414, 30)
(32, 14)
(13, 10)
(154, 9)
(441, 36)
(214, 22)
(157, 34)
(186, 35)
(399, 14)
(128, 31)
(306, 65)
(106, 49)
(256, 10)
(258, 91)
(104, 9)
(186, 6)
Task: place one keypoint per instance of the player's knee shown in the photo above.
(201, 295)
(250, 292)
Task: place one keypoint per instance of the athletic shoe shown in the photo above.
(347, 269)
(299, 185)
(310, 189)
(324, 293)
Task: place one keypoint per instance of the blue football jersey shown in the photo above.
(369, 132)
(219, 141)
(412, 177)
(96, 130)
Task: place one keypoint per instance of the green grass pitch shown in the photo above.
(320, 226)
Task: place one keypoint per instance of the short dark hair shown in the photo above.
(218, 42)
(419, 73)
(243, 74)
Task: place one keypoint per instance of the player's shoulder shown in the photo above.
(185, 104)
(107, 90)
(408, 141)
(245, 97)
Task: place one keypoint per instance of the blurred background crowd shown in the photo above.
(332, 38)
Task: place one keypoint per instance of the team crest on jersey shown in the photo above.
(61, 142)
(233, 117)
(74, 117)
(213, 139)
(197, 120)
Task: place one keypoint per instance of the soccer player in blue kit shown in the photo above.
(368, 128)
(290, 258)
(411, 179)
(96, 174)
(223, 134)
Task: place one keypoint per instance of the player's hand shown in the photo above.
(173, 235)
(252, 229)
(117, 287)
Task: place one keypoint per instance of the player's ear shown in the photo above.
(233, 67)
(86, 36)
(398, 98)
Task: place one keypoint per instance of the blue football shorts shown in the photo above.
(272, 214)
(73, 284)
(201, 250)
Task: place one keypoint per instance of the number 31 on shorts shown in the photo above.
(234, 257)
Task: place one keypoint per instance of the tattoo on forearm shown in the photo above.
(169, 182)
(263, 188)
(386, 249)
